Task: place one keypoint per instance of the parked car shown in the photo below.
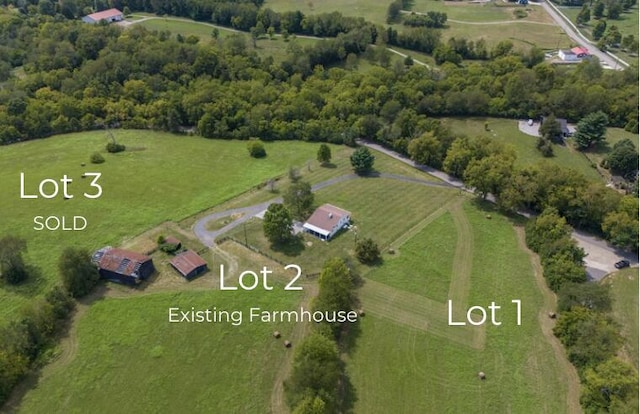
(622, 264)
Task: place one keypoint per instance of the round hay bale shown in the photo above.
(287, 344)
(482, 375)
(552, 315)
(276, 334)
(392, 251)
(488, 216)
(82, 164)
(361, 312)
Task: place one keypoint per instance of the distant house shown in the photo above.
(567, 56)
(326, 221)
(109, 16)
(189, 264)
(123, 266)
(580, 52)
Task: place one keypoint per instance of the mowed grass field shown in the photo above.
(624, 291)
(382, 209)
(160, 177)
(400, 366)
(507, 132)
(130, 359)
(373, 11)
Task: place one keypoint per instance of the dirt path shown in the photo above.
(278, 403)
(546, 324)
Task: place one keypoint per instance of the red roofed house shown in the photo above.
(111, 15)
(326, 221)
(123, 266)
(189, 264)
(580, 52)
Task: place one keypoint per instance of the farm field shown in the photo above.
(373, 11)
(129, 355)
(624, 291)
(399, 365)
(146, 185)
(506, 131)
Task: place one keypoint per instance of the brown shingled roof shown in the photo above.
(105, 14)
(121, 261)
(327, 216)
(187, 261)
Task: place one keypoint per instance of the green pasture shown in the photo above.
(185, 27)
(160, 177)
(375, 12)
(401, 365)
(624, 291)
(507, 132)
(382, 209)
(129, 358)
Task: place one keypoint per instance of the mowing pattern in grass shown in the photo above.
(506, 131)
(397, 367)
(624, 291)
(373, 11)
(382, 209)
(131, 358)
(160, 177)
(423, 265)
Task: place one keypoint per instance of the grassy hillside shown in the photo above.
(402, 366)
(130, 359)
(624, 290)
(160, 177)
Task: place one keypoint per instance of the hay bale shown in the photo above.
(82, 164)
(488, 216)
(482, 375)
(276, 334)
(552, 315)
(392, 251)
(361, 312)
(287, 344)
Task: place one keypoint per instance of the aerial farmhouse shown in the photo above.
(123, 266)
(189, 264)
(109, 16)
(326, 221)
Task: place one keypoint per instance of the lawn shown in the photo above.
(185, 27)
(506, 131)
(373, 11)
(368, 200)
(624, 290)
(129, 358)
(161, 177)
(399, 366)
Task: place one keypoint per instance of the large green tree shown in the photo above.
(298, 198)
(425, 150)
(489, 175)
(324, 154)
(362, 160)
(12, 267)
(591, 130)
(277, 224)
(79, 274)
(610, 387)
(623, 159)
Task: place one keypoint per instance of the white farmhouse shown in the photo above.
(326, 221)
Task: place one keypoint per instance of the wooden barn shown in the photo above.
(109, 16)
(123, 266)
(189, 264)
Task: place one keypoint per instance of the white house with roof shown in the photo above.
(109, 16)
(326, 221)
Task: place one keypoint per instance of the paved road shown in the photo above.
(572, 31)
(600, 255)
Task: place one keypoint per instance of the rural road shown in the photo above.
(572, 31)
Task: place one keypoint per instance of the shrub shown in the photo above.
(113, 147)
(256, 149)
(367, 251)
(96, 158)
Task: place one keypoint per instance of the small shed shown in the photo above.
(567, 55)
(109, 16)
(189, 264)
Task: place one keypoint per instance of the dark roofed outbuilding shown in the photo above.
(123, 266)
(189, 264)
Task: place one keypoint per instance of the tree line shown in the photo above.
(36, 328)
(585, 326)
